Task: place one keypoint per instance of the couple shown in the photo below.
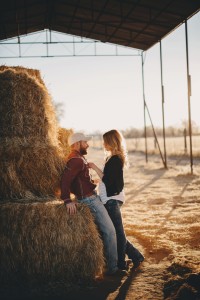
(105, 207)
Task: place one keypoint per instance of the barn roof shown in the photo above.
(134, 23)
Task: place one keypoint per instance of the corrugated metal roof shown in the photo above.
(134, 23)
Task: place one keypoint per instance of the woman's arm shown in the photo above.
(96, 169)
(113, 170)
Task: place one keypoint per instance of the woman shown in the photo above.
(111, 191)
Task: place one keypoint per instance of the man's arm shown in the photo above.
(72, 169)
(71, 208)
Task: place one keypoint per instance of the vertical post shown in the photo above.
(74, 49)
(185, 140)
(189, 94)
(50, 35)
(95, 48)
(163, 101)
(19, 43)
(145, 129)
(47, 48)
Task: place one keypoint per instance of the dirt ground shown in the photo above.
(161, 217)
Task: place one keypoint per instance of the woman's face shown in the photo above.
(106, 146)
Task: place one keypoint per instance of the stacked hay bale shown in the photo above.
(38, 240)
(32, 160)
(63, 135)
(43, 243)
(31, 72)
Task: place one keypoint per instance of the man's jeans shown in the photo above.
(106, 228)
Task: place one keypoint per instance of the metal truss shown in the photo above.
(48, 43)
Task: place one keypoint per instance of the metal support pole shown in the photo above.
(145, 128)
(95, 48)
(154, 132)
(74, 49)
(146, 109)
(47, 47)
(163, 111)
(50, 37)
(18, 38)
(189, 94)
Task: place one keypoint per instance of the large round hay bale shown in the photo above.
(31, 156)
(32, 72)
(26, 108)
(29, 166)
(40, 242)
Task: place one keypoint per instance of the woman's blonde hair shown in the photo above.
(114, 139)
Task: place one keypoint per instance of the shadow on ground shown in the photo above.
(112, 287)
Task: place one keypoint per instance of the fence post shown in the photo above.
(185, 140)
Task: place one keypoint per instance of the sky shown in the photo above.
(99, 93)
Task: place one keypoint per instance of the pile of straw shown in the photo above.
(44, 243)
(31, 157)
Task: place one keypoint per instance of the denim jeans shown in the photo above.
(123, 245)
(106, 228)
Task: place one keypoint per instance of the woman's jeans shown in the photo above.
(123, 245)
(106, 228)
(113, 209)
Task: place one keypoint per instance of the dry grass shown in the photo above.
(175, 146)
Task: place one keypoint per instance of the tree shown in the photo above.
(59, 110)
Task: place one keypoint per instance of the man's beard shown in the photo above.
(83, 151)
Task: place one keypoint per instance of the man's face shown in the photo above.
(83, 147)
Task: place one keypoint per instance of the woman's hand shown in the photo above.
(96, 169)
(96, 181)
(91, 165)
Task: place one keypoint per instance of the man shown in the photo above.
(76, 180)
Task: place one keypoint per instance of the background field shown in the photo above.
(174, 145)
(161, 217)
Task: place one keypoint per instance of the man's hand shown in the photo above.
(71, 208)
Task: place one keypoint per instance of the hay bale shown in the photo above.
(63, 135)
(26, 108)
(29, 167)
(47, 244)
(39, 241)
(31, 72)
(31, 157)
